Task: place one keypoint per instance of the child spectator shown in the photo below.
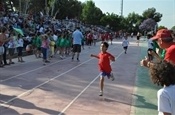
(44, 47)
(163, 73)
(20, 48)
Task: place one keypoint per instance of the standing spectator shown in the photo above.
(138, 38)
(77, 40)
(95, 37)
(44, 48)
(89, 39)
(165, 41)
(3, 39)
(20, 48)
(11, 48)
(162, 73)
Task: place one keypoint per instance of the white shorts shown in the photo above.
(1, 50)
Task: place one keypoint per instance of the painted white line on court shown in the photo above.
(38, 68)
(83, 90)
(31, 90)
(28, 91)
(31, 71)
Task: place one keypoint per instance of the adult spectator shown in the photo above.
(77, 41)
(165, 41)
(3, 39)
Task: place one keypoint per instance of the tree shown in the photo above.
(133, 20)
(162, 27)
(151, 13)
(90, 13)
(148, 25)
(68, 8)
(111, 20)
(173, 28)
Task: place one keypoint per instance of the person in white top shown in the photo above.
(125, 43)
(20, 48)
(163, 73)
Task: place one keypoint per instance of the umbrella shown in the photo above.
(19, 31)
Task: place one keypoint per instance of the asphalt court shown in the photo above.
(63, 87)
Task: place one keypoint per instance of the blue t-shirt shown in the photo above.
(77, 37)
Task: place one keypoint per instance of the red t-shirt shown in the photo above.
(104, 62)
(170, 54)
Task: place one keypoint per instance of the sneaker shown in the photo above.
(78, 59)
(61, 57)
(112, 77)
(101, 93)
(47, 61)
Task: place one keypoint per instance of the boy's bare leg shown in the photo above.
(101, 85)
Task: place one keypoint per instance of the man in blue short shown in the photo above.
(77, 40)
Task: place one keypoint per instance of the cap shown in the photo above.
(162, 33)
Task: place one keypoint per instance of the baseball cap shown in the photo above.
(162, 33)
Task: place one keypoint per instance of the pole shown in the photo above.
(121, 7)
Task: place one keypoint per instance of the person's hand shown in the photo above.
(91, 55)
(112, 58)
(144, 62)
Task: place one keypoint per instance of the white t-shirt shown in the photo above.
(166, 100)
(20, 42)
(125, 43)
(55, 37)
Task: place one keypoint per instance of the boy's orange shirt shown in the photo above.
(104, 62)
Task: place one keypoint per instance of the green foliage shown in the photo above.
(161, 27)
(173, 28)
(133, 22)
(89, 12)
(151, 13)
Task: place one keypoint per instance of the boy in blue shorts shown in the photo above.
(104, 64)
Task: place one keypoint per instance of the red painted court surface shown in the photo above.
(63, 87)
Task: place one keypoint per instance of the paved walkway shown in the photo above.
(71, 88)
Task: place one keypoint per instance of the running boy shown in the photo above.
(125, 43)
(104, 64)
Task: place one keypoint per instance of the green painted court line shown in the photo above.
(145, 93)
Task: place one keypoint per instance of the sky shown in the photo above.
(165, 7)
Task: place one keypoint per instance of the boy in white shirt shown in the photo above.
(125, 44)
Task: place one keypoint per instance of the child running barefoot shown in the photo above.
(104, 64)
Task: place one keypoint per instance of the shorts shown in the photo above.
(11, 51)
(20, 51)
(125, 48)
(138, 37)
(76, 48)
(1, 50)
(103, 74)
